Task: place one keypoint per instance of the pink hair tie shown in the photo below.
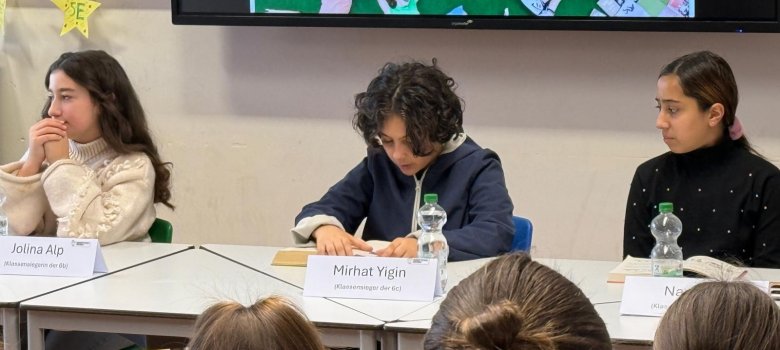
(735, 130)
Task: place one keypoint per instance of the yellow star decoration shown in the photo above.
(76, 14)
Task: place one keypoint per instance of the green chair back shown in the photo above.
(161, 231)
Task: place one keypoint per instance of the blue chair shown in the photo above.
(523, 233)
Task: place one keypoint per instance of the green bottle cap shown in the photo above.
(431, 198)
(665, 207)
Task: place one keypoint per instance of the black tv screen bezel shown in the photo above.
(475, 22)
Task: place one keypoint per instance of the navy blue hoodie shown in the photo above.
(470, 184)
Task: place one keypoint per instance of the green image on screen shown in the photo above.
(509, 8)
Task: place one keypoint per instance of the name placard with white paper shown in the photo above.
(50, 256)
(651, 296)
(361, 277)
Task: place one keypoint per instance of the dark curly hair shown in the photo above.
(420, 94)
(122, 119)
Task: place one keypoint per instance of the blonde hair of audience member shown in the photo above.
(271, 323)
(720, 315)
(514, 302)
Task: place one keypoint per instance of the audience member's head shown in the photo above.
(720, 315)
(514, 302)
(272, 323)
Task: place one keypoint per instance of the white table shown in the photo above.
(627, 329)
(392, 311)
(14, 289)
(407, 322)
(589, 275)
(641, 329)
(259, 258)
(179, 288)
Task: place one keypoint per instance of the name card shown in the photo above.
(651, 296)
(360, 277)
(50, 256)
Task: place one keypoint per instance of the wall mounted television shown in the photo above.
(621, 15)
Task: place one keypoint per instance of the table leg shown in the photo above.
(389, 340)
(11, 335)
(367, 340)
(410, 341)
(35, 337)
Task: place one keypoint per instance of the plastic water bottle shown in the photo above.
(3, 217)
(432, 244)
(666, 256)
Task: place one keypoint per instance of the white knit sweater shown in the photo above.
(96, 193)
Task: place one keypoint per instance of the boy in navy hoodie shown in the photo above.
(412, 121)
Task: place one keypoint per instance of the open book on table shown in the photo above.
(298, 256)
(701, 265)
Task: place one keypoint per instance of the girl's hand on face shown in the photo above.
(45, 130)
(56, 150)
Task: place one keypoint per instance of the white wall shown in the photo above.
(257, 120)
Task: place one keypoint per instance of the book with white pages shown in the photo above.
(298, 256)
(701, 265)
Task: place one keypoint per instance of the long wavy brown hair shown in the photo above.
(122, 119)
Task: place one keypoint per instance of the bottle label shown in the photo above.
(667, 268)
(4, 229)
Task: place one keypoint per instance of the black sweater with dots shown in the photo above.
(727, 198)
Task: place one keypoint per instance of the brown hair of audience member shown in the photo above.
(514, 302)
(720, 315)
(271, 323)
